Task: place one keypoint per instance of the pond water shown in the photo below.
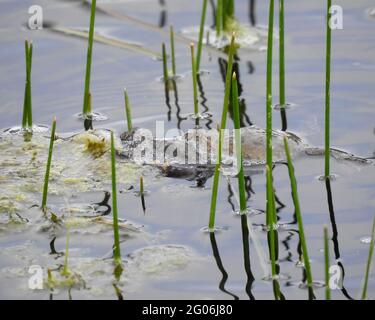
(166, 255)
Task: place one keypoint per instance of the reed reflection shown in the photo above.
(203, 103)
(219, 263)
(244, 117)
(334, 239)
(246, 256)
(177, 104)
(213, 10)
(252, 13)
(163, 14)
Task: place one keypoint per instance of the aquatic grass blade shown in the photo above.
(172, 51)
(270, 217)
(194, 75)
(228, 81)
(116, 250)
(281, 55)
(272, 235)
(25, 101)
(237, 126)
(165, 64)
(327, 91)
(29, 104)
(128, 111)
(89, 58)
(369, 259)
(27, 120)
(201, 31)
(48, 166)
(219, 17)
(293, 183)
(269, 86)
(326, 265)
(224, 115)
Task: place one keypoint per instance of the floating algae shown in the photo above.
(91, 277)
(80, 160)
(247, 37)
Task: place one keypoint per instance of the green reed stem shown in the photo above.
(172, 50)
(272, 235)
(368, 266)
(281, 55)
(328, 91)
(224, 115)
(230, 8)
(237, 126)
(128, 111)
(211, 222)
(228, 81)
(271, 219)
(27, 120)
(219, 17)
(141, 186)
(269, 85)
(326, 264)
(194, 74)
(165, 64)
(228, 12)
(269, 94)
(89, 104)
(25, 101)
(201, 33)
(293, 183)
(30, 113)
(89, 59)
(48, 167)
(116, 250)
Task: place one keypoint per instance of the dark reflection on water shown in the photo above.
(250, 67)
(99, 206)
(246, 256)
(87, 124)
(219, 263)
(244, 117)
(335, 240)
(252, 13)
(284, 121)
(53, 250)
(163, 14)
(213, 10)
(167, 101)
(177, 104)
(202, 95)
(286, 245)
